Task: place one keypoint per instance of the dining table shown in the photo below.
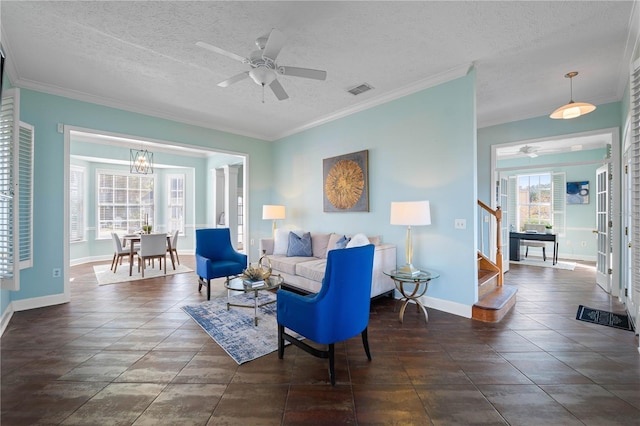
(135, 238)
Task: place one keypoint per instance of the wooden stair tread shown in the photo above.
(498, 298)
(485, 275)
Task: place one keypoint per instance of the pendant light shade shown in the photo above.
(572, 109)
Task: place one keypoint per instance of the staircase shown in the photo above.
(495, 300)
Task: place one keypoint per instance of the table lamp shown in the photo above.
(273, 212)
(410, 213)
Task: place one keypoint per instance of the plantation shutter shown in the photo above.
(9, 197)
(634, 160)
(559, 202)
(25, 179)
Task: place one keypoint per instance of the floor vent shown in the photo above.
(364, 87)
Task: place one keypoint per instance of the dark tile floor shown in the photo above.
(126, 354)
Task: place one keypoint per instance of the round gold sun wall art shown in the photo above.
(344, 184)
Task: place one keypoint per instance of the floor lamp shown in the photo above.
(410, 213)
(274, 213)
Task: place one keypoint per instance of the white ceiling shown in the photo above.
(141, 56)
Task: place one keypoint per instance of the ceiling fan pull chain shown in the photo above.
(263, 93)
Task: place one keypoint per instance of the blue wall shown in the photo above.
(421, 147)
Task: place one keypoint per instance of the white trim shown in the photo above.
(443, 77)
(39, 302)
(447, 306)
(6, 317)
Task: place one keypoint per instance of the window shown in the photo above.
(534, 200)
(76, 204)
(537, 199)
(176, 197)
(125, 202)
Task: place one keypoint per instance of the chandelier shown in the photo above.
(140, 161)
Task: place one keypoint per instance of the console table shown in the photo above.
(514, 243)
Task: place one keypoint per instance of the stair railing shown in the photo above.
(494, 222)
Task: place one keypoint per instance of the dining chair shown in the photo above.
(173, 249)
(118, 252)
(152, 246)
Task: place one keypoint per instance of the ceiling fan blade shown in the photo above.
(236, 78)
(274, 45)
(303, 72)
(278, 90)
(221, 51)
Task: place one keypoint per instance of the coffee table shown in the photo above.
(237, 283)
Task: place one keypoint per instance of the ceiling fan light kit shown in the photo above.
(264, 69)
(572, 109)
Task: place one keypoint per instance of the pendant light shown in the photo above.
(572, 109)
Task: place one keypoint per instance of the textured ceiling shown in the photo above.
(142, 56)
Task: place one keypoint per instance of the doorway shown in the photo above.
(173, 162)
(573, 151)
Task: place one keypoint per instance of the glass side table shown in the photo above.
(412, 287)
(238, 284)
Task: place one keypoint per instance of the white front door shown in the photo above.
(603, 257)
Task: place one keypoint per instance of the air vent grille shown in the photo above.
(364, 87)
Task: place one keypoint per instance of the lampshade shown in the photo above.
(411, 213)
(273, 212)
(572, 109)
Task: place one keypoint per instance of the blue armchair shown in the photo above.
(338, 312)
(216, 257)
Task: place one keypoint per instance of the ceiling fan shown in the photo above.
(529, 151)
(264, 69)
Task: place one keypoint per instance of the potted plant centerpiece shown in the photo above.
(548, 229)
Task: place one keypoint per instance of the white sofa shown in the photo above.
(305, 273)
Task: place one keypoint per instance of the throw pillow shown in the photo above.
(342, 242)
(299, 246)
(281, 240)
(358, 240)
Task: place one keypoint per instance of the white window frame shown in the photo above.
(176, 202)
(77, 203)
(139, 212)
(558, 201)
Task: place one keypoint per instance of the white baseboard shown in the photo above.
(6, 317)
(39, 302)
(444, 305)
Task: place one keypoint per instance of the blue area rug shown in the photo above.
(234, 329)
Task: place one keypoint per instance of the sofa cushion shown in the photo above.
(299, 245)
(319, 244)
(287, 265)
(358, 240)
(312, 270)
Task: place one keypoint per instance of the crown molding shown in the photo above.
(418, 86)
